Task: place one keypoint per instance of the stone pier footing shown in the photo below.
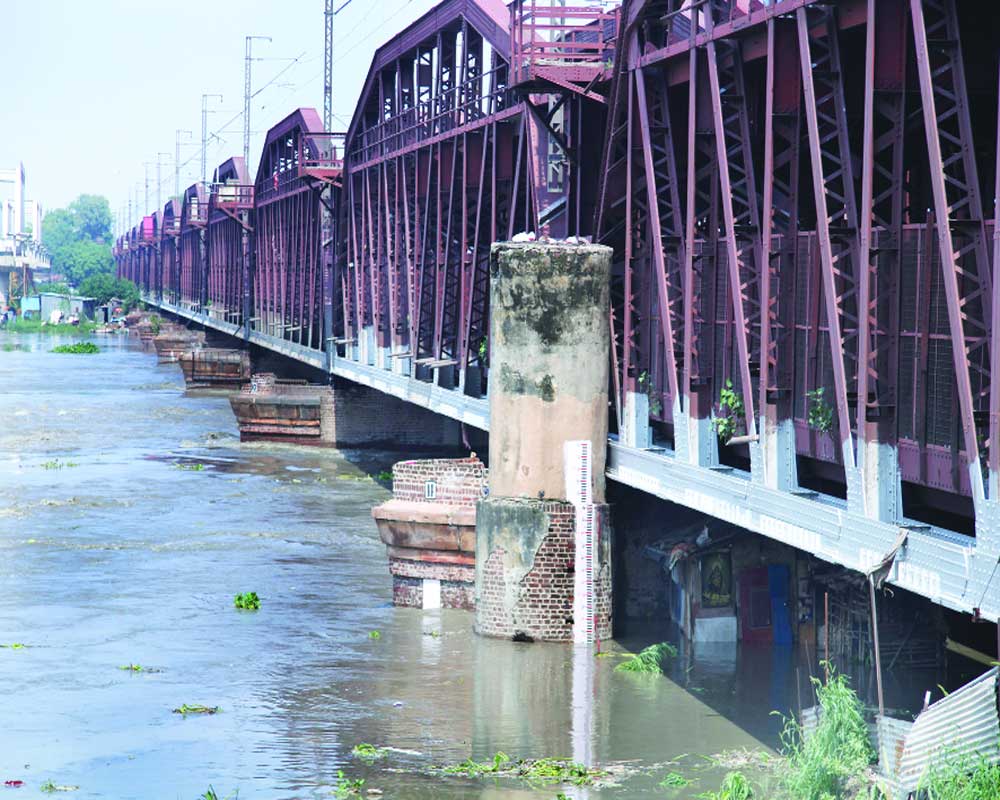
(429, 529)
(215, 368)
(343, 414)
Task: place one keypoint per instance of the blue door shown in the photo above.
(781, 621)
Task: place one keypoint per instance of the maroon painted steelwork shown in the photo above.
(230, 218)
(194, 219)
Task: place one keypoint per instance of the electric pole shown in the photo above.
(247, 92)
(159, 181)
(328, 67)
(204, 135)
(146, 165)
(177, 159)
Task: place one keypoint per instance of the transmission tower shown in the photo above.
(328, 67)
(247, 93)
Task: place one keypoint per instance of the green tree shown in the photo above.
(92, 217)
(105, 287)
(79, 238)
(84, 258)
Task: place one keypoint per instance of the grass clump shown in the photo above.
(248, 601)
(155, 324)
(649, 659)
(384, 475)
(196, 709)
(22, 325)
(368, 752)
(348, 787)
(536, 771)
(832, 760)
(85, 348)
(960, 779)
(735, 786)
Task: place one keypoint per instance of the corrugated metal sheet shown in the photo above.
(964, 724)
(892, 735)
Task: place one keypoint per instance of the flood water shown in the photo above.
(116, 547)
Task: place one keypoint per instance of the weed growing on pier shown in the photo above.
(650, 659)
(537, 771)
(368, 752)
(736, 786)
(729, 419)
(248, 601)
(86, 348)
(196, 709)
(385, 476)
(348, 787)
(820, 411)
(837, 754)
(155, 323)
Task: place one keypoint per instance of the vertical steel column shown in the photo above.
(701, 263)
(836, 212)
(880, 264)
(958, 214)
(779, 243)
(742, 221)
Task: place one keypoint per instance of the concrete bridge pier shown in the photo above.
(543, 536)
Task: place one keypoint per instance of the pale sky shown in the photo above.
(91, 89)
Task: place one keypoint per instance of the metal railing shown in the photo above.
(232, 196)
(577, 41)
(321, 153)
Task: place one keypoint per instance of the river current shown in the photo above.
(130, 515)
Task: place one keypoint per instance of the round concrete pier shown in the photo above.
(543, 555)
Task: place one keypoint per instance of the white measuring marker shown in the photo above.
(578, 461)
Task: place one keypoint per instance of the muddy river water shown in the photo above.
(130, 514)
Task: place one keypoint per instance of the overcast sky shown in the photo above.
(91, 89)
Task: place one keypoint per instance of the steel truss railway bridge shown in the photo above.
(798, 195)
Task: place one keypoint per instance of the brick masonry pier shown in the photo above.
(429, 529)
(215, 368)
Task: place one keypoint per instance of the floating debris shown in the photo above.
(57, 464)
(348, 787)
(139, 668)
(374, 635)
(13, 646)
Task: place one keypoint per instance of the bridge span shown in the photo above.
(803, 321)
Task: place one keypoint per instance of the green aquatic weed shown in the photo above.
(85, 348)
(186, 709)
(248, 601)
(649, 659)
(368, 752)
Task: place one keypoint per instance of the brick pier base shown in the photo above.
(173, 341)
(525, 569)
(215, 368)
(341, 415)
(429, 529)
